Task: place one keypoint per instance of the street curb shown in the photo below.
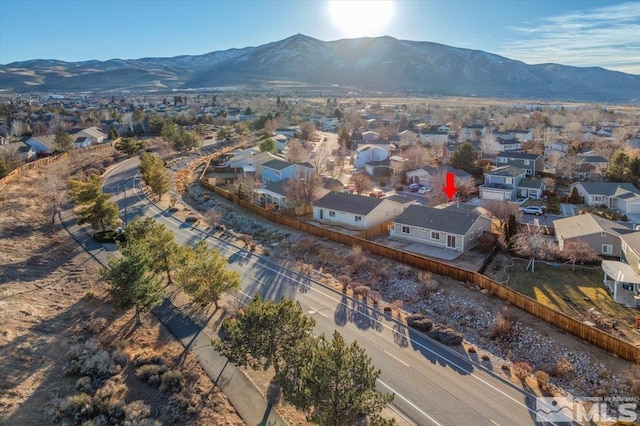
(237, 387)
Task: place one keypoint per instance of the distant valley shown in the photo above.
(382, 64)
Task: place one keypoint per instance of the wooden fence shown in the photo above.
(590, 334)
(46, 160)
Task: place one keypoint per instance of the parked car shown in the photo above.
(424, 189)
(414, 187)
(537, 210)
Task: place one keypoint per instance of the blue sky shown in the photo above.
(580, 33)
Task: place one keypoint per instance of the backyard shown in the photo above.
(579, 294)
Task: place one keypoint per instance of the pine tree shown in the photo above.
(63, 141)
(205, 276)
(133, 283)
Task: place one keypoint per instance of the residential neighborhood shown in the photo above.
(420, 185)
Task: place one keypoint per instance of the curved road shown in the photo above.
(433, 384)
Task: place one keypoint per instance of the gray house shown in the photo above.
(447, 228)
(532, 164)
(601, 234)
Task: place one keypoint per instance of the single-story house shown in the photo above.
(82, 142)
(602, 235)
(94, 134)
(621, 196)
(18, 150)
(42, 144)
(449, 228)
(354, 211)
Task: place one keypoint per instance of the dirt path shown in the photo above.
(52, 299)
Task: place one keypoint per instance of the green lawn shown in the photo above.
(566, 290)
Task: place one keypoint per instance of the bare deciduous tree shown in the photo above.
(534, 246)
(302, 189)
(578, 251)
(213, 218)
(501, 210)
(416, 156)
(52, 187)
(361, 182)
(296, 152)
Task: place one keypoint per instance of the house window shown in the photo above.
(597, 198)
(277, 173)
(526, 162)
(332, 213)
(603, 234)
(480, 231)
(406, 230)
(471, 236)
(435, 235)
(358, 218)
(607, 249)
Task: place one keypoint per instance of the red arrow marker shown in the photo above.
(450, 187)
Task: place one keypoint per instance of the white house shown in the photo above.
(93, 133)
(369, 154)
(623, 197)
(355, 211)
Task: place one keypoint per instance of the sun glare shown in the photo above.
(361, 18)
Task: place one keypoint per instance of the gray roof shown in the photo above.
(352, 203)
(518, 155)
(447, 169)
(607, 188)
(496, 185)
(632, 239)
(278, 187)
(593, 159)
(445, 220)
(530, 183)
(587, 224)
(506, 171)
(401, 199)
(277, 164)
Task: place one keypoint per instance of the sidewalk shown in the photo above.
(245, 397)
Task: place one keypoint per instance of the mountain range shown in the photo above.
(382, 64)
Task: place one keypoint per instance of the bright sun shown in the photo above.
(361, 18)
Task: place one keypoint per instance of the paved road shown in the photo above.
(433, 385)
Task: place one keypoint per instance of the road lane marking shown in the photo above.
(295, 277)
(397, 359)
(415, 407)
(317, 311)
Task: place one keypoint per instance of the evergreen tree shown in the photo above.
(268, 145)
(266, 333)
(618, 169)
(344, 138)
(133, 284)
(166, 254)
(92, 205)
(465, 158)
(5, 167)
(204, 275)
(339, 386)
(63, 141)
(574, 197)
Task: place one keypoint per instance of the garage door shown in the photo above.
(488, 194)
